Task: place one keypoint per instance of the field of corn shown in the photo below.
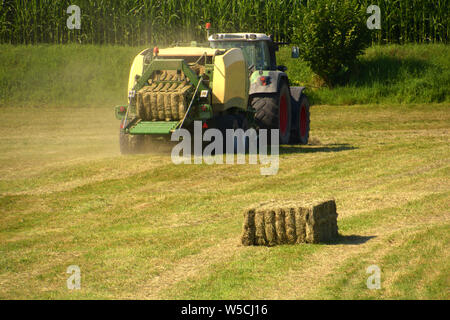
(140, 22)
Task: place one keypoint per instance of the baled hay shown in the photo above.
(248, 235)
(269, 224)
(163, 101)
(289, 220)
(260, 232)
(280, 226)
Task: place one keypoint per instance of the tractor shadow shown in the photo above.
(293, 149)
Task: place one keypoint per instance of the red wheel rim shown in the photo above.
(303, 121)
(283, 115)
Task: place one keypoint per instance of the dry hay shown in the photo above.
(273, 223)
(159, 102)
(163, 101)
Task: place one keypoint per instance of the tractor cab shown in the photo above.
(275, 103)
(258, 48)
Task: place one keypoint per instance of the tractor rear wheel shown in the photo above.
(302, 122)
(273, 111)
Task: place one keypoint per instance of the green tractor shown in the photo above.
(235, 83)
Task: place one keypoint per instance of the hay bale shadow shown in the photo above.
(350, 240)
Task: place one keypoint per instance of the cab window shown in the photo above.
(256, 53)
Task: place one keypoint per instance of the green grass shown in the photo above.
(384, 74)
(88, 75)
(64, 75)
(141, 227)
(411, 270)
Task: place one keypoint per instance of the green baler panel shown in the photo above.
(153, 127)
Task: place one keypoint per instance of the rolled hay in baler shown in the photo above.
(160, 101)
(163, 101)
(183, 103)
(272, 223)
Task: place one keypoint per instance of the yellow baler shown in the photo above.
(173, 87)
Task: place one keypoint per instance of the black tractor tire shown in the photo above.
(241, 123)
(232, 121)
(301, 125)
(274, 111)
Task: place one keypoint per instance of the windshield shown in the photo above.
(256, 53)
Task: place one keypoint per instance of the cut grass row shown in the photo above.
(139, 226)
(287, 273)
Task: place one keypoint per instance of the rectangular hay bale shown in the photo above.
(272, 223)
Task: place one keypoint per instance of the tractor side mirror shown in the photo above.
(295, 53)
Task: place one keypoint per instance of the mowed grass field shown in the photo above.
(141, 227)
